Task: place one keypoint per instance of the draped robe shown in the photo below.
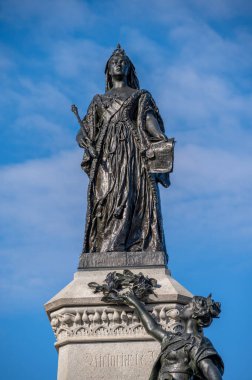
(181, 354)
(123, 212)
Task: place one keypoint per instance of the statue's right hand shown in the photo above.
(92, 152)
(74, 109)
(81, 142)
(129, 299)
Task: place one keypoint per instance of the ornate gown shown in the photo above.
(123, 212)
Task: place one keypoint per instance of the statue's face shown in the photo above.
(187, 311)
(118, 66)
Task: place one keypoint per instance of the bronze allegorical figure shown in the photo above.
(188, 355)
(126, 155)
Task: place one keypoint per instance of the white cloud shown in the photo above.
(210, 197)
(221, 169)
(202, 90)
(42, 224)
(38, 115)
(37, 193)
(40, 96)
(50, 15)
(79, 64)
(225, 9)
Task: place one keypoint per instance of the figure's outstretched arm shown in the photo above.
(147, 320)
(209, 370)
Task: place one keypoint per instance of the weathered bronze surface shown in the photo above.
(121, 259)
(186, 355)
(126, 155)
(117, 285)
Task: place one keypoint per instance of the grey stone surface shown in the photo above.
(77, 291)
(105, 341)
(105, 361)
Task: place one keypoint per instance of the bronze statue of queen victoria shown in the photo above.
(126, 155)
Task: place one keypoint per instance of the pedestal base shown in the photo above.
(110, 360)
(98, 341)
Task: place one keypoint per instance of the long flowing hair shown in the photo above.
(132, 80)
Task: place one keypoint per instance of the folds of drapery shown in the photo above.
(123, 212)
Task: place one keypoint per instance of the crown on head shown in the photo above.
(118, 51)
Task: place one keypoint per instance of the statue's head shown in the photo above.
(201, 309)
(119, 64)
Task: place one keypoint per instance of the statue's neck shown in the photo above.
(119, 82)
(122, 92)
(191, 327)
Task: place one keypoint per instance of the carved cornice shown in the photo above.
(82, 324)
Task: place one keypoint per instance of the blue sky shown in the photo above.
(195, 58)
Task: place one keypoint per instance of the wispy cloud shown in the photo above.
(202, 89)
(42, 223)
(30, 190)
(213, 186)
(50, 15)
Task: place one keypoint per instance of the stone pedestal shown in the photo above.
(98, 341)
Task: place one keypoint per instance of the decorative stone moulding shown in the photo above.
(107, 323)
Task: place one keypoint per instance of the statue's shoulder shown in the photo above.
(202, 346)
(96, 99)
(145, 94)
(96, 103)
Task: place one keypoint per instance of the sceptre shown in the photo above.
(86, 140)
